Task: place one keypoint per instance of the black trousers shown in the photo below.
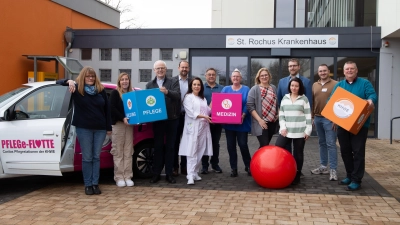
(164, 155)
(298, 148)
(352, 149)
(265, 138)
(179, 131)
(215, 130)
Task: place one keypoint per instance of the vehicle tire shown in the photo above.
(142, 163)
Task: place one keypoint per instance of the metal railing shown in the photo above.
(391, 127)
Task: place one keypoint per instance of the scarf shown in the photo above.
(91, 90)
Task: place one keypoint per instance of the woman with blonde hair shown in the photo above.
(92, 121)
(122, 136)
(262, 104)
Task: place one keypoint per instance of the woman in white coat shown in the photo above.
(196, 136)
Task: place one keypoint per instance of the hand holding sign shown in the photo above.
(164, 90)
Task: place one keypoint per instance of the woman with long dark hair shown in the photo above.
(196, 137)
(295, 122)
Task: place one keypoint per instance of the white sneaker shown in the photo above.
(129, 182)
(190, 181)
(196, 177)
(320, 170)
(121, 183)
(333, 175)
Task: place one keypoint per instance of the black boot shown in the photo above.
(296, 180)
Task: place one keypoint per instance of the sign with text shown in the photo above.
(282, 41)
(226, 108)
(347, 110)
(142, 106)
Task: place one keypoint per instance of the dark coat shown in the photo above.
(172, 99)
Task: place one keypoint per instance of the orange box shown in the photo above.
(347, 110)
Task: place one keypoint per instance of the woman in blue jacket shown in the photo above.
(238, 132)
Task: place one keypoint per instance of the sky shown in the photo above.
(170, 13)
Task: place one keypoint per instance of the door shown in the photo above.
(31, 140)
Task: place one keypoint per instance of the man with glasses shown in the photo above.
(211, 86)
(183, 81)
(168, 127)
(283, 88)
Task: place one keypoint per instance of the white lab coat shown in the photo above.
(188, 145)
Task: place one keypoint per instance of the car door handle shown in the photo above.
(48, 132)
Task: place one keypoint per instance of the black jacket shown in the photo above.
(176, 79)
(117, 107)
(172, 99)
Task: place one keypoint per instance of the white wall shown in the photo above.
(115, 65)
(388, 16)
(389, 89)
(242, 14)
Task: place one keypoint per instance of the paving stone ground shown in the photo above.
(220, 199)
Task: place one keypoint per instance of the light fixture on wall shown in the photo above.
(386, 44)
(182, 55)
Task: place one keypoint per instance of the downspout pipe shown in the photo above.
(66, 56)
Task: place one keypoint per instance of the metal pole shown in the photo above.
(34, 69)
(391, 127)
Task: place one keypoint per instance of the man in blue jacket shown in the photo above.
(294, 68)
(352, 146)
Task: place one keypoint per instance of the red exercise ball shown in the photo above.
(273, 167)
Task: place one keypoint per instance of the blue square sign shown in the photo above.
(142, 106)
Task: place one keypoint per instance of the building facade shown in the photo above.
(37, 28)
(247, 35)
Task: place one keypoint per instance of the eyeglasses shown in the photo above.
(160, 68)
(264, 75)
(211, 75)
(90, 76)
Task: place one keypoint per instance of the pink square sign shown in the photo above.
(226, 108)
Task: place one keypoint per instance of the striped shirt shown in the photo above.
(295, 117)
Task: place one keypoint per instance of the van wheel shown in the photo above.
(142, 164)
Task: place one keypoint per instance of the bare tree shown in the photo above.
(128, 21)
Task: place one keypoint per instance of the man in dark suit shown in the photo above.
(184, 81)
(168, 127)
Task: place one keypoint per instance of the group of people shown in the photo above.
(95, 116)
(294, 106)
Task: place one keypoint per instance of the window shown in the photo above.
(239, 63)
(201, 64)
(105, 54)
(125, 54)
(272, 64)
(86, 54)
(166, 54)
(145, 75)
(105, 75)
(128, 71)
(145, 54)
(284, 13)
(45, 103)
(169, 73)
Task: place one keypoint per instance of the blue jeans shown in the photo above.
(215, 130)
(91, 142)
(241, 137)
(327, 141)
